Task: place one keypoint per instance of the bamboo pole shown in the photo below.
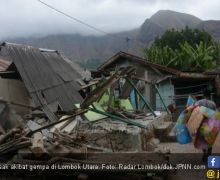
(141, 96)
(128, 121)
(158, 92)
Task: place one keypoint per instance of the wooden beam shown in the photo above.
(100, 90)
(195, 75)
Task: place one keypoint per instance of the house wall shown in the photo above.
(15, 92)
(166, 90)
(150, 92)
(143, 72)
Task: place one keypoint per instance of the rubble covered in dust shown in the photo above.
(75, 136)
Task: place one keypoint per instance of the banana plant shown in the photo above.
(187, 57)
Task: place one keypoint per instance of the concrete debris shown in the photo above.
(78, 136)
(162, 130)
(123, 128)
(37, 144)
(33, 126)
(66, 126)
(125, 109)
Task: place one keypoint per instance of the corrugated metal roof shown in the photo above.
(122, 55)
(47, 76)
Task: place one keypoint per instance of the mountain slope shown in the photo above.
(81, 48)
(148, 31)
(211, 26)
(170, 19)
(98, 48)
(163, 20)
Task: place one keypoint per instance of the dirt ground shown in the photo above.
(188, 148)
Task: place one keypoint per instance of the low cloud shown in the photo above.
(23, 18)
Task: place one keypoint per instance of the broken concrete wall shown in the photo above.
(116, 141)
(15, 92)
(120, 137)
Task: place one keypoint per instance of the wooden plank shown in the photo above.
(95, 94)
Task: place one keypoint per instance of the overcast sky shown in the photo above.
(23, 18)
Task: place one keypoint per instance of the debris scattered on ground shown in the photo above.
(104, 122)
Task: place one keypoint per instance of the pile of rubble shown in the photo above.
(36, 137)
(103, 122)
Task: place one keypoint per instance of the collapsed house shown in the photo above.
(157, 81)
(123, 108)
(33, 78)
(126, 88)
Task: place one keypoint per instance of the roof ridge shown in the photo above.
(140, 59)
(28, 46)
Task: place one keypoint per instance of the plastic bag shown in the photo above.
(182, 133)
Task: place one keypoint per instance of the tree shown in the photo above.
(188, 49)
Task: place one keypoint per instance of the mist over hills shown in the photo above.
(211, 26)
(92, 50)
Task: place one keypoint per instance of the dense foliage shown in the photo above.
(188, 49)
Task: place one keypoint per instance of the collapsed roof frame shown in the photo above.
(126, 73)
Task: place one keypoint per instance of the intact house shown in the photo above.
(174, 86)
(32, 78)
